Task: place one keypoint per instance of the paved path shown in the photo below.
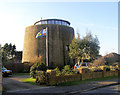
(65, 89)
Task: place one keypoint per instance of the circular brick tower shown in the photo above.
(60, 35)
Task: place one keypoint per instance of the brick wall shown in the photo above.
(53, 79)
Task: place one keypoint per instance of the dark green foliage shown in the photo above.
(37, 67)
(107, 69)
(84, 48)
(18, 56)
(57, 71)
(8, 52)
(41, 77)
(67, 70)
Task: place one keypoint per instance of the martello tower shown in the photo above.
(60, 35)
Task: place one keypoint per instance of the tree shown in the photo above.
(85, 48)
(91, 46)
(99, 62)
(74, 49)
(8, 52)
(13, 51)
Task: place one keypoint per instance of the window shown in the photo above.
(45, 22)
(42, 22)
(52, 22)
(62, 23)
(67, 47)
(67, 24)
(49, 22)
(59, 22)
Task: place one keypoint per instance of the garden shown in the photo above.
(40, 75)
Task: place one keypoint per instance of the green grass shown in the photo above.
(30, 80)
(21, 73)
(85, 81)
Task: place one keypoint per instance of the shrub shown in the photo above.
(107, 69)
(67, 70)
(41, 77)
(37, 67)
(58, 73)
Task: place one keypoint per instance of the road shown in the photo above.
(109, 89)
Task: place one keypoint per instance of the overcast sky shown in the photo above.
(100, 18)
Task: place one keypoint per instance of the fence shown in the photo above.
(17, 67)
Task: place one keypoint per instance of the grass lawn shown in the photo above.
(21, 73)
(30, 80)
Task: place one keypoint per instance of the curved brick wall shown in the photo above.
(58, 35)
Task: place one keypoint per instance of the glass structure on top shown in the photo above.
(53, 21)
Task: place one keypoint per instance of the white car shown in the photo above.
(84, 64)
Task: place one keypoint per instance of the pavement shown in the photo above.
(66, 90)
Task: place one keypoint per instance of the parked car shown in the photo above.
(6, 72)
(84, 64)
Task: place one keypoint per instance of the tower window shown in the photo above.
(67, 47)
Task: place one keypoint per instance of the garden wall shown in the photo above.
(66, 78)
(54, 80)
(92, 75)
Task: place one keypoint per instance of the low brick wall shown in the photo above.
(52, 79)
(62, 79)
(92, 75)
(110, 73)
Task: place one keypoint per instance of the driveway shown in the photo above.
(14, 83)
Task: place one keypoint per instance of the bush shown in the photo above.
(107, 69)
(67, 70)
(37, 67)
(58, 73)
(41, 77)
